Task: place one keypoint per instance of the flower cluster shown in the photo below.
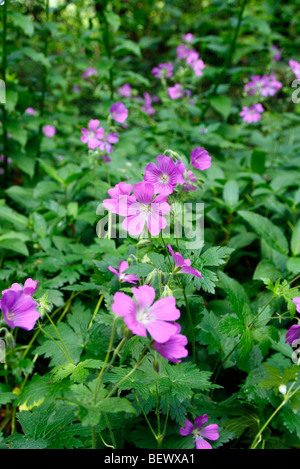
(190, 55)
(264, 85)
(252, 113)
(148, 203)
(95, 135)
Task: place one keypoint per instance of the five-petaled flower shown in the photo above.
(174, 348)
(119, 112)
(93, 134)
(144, 315)
(211, 432)
(146, 210)
(164, 176)
(200, 159)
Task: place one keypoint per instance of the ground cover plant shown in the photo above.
(150, 232)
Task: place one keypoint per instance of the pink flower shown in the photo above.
(49, 131)
(211, 432)
(142, 316)
(182, 51)
(30, 111)
(176, 91)
(106, 143)
(147, 108)
(119, 112)
(188, 178)
(164, 176)
(192, 56)
(146, 210)
(174, 348)
(200, 159)
(198, 66)
(93, 134)
(163, 70)
(252, 113)
(125, 90)
(183, 266)
(276, 53)
(188, 37)
(19, 309)
(123, 265)
(120, 198)
(293, 334)
(90, 72)
(295, 66)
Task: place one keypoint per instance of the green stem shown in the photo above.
(96, 311)
(98, 382)
(145, 415)
(110, 431)
(288, 396)
(60, 338)
(54, 341)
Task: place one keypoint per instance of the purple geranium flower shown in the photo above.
(90, 72)
(192, 56)
(164, 176)
(211, 432)
(93, 134)
(295, 66)
(49, 131)
(198, 66)
(146, 210)
(19, 309)
(252, 113)
(188, 37)
(188, 178)
(200, 159)
(174, 348)
(120, 199)
(125, 90)
(163, 70)
(183, 266)
(119, 112)
(176, 91)
(123, 265)
(106, 143)
(142, 316)
(30, 111)
(293, 334)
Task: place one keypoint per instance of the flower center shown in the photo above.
(164, 178)
(143, 316)
(10, 316)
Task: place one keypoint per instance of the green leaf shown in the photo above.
(272, 235)
(295, 241)
(22, 21)
(236, 294)
(9, 215)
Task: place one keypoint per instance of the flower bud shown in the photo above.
(282, 389)
(146, 260)
(156, 366)
(151, 277)
(167, 292)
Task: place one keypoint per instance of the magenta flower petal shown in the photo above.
(161, 331)
(144, 295)
(30, 286)
(200, 421)
(211, 432)
(123, 305)
(293, 334)
(187, 430)
(297, 303)
(200, 159)
(119, 112)
(19, 310)
(202, 444)
(165, 309)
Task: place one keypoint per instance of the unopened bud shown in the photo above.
(152, 276)
(167, 292)
(282, 389)
(146, 259)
